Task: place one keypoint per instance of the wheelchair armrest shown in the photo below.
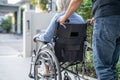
(44, 42)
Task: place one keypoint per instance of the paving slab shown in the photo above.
(14, 68)
(8, 51)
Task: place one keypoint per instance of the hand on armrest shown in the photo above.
(37, 39)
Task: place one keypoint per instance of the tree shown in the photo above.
(40, 3)
(7, 25)
(85, 9)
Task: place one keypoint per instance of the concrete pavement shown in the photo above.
(10, 45)
(14, 68)
(12, 65)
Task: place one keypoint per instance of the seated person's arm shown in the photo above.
(73, 6)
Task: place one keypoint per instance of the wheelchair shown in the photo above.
(65, 57)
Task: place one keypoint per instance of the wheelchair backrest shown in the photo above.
(69, 41)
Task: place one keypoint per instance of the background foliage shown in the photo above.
(40, 3)
(7, 24)
(85, 9)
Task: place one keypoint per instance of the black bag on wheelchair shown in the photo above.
(69, 42)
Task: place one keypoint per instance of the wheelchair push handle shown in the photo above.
(90, 21)
(67, 21)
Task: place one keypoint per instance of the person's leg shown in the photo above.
(105, 50)
(46, 70)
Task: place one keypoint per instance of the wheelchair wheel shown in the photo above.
(46, 57)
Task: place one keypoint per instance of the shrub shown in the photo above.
(118, 70)
(40, 3)
(7, 25)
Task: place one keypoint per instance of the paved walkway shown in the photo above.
(12, 65)
(14, 68)
(10, 45)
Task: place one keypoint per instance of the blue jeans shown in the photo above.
(106, 46)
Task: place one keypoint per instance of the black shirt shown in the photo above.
(103, 8)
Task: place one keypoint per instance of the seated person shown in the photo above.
(48, 35)
(62, 7)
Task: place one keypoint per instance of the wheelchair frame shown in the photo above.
(45, 54)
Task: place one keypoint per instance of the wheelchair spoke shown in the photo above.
(46, 58)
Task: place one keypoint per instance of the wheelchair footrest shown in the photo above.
(48, 75)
